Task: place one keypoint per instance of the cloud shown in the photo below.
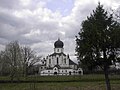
(9, 4)
(38, 23)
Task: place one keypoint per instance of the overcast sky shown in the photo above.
(39, 23)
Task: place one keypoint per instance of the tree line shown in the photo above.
(17, 61)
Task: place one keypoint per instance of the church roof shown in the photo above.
(58, 66)
(66, 68)
(54, 54)
(49, 68)
(71, 62)
(58, 44)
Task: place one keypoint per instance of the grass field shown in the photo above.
(85, 82)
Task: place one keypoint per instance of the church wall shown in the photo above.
(67, 61)
(58, 50)
(47, 61)
(73, 66)
(61, 72)
(53, 61)
(50, 61)
(61, 60)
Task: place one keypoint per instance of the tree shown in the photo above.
(98, 42)
(29, 59)
(13, 59)
(116, 14)
(1, 63)
(4, 66)
(16, 60)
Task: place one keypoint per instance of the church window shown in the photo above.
(65, 60)
(65, 70)
(57, 60)
(57, 50)
(49, 61)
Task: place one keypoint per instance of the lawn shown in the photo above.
(85, 82)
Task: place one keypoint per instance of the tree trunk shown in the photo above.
(26, 71)
(107, 80)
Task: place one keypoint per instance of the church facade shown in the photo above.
(59, 63)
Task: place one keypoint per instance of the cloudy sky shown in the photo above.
(39, 23)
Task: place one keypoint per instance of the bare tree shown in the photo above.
(1, 62)
(29, 59)
(13, 58)
(16, 60)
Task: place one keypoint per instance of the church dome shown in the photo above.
(58, 44)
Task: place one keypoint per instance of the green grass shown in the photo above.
(58, 86)
(87, 78)
(85, 82)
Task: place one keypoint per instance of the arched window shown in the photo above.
(49, 61)
(57, 60)
(57, 50)
(65, 70)
(65, 60)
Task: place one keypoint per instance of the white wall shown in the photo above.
(58, 50)
(61, 72)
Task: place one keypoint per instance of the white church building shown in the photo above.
(59, 63)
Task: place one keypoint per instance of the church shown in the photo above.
(59, 63)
